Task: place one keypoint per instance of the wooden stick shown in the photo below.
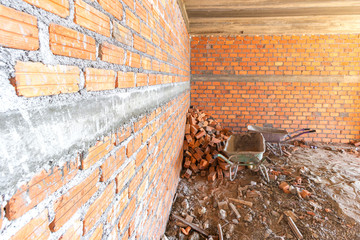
(193, 226)
(220, 232)
(232, 206)
(242, 202)
(294, 228)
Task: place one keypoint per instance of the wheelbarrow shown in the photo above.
(245, 149)
(278, 135)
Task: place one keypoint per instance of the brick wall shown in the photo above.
(288, 81)
(120, 183)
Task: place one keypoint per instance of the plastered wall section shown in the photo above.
(287, 81)
(93, 101)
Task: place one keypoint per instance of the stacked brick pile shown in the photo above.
(204, 138)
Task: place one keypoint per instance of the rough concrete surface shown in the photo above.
(36, 136)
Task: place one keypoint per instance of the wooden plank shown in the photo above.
(271, 12)
(244, 4)
(276, 25)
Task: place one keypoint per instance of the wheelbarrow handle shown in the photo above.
(290, 137)
(224, 158)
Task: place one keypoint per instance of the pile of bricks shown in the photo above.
(204, 138)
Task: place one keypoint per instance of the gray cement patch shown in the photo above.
(49, 134)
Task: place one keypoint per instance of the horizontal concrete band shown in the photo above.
(30, 139)
(274, 78)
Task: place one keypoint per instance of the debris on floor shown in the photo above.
(313, 192)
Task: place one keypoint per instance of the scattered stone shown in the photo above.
(185, 204)
(223, 214)
(206, 224)
(248, 217)
(268, 233)
(202, 210)
(275, 213)
(223, 205)
(194, 236)
(305, 194)
(235, 221)
(252, 183)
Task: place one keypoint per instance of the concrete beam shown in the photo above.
(48, 135)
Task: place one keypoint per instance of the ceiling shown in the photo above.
(256, 17)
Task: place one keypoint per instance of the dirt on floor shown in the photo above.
(330, 173)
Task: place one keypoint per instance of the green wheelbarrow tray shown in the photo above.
(246, 149)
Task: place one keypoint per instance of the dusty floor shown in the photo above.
(331, 173)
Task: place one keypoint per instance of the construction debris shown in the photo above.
(204, 138)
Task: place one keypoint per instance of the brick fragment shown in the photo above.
(10, 36)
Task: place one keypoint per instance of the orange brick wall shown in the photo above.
(290, 82)
(315, 55)
(122, 187)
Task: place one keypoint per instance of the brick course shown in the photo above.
(315, 55)
(289, 81)
(122, 47)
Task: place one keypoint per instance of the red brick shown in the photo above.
(67, 205)
(111, 53)
(126, 216)
(133, 60)
(34, 79)
(97, 234)
(125, 80)
(91, 18)
(99, 79)
(60, 8)
(124, 176)
(132, 21)
(118, 207)
(135, 182)
(11, 22)
(98, 207)
(97, 152)
(74, 232)
(67, 42)
(122, 34)
(38, 188)
(112, 164)
(37, 228)
(141, 79)
(139, 43)
(114, 7)
(141, 156)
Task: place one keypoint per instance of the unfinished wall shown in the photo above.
(93, 101)
(289, 81)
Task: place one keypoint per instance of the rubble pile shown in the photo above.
(204, 138)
